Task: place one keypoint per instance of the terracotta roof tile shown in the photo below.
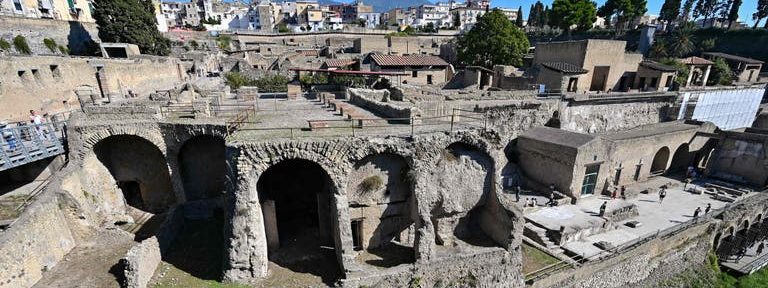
(410, 60)
(339, 62)
(564, 67)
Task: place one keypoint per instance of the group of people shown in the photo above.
(11, 138)
(533, 202)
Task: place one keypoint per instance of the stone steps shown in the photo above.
(539, 235)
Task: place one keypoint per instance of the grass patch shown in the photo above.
(535, 259)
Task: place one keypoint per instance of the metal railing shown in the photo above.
(23, 144)
(361, 125)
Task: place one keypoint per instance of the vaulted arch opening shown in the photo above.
(140, 170)
(202, 162)
(660, 160)
(295, 198)
(381, 210)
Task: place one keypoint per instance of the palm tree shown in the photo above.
(683, 41)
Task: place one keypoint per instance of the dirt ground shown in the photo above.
(90, 264)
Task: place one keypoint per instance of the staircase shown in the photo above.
(539, 235)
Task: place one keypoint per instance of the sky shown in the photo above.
(654, 6)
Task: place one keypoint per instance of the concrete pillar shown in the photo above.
(270, 224)
(706, 76)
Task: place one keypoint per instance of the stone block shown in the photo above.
(140, 262)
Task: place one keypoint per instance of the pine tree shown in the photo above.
(519, 19)
(734, 14)
(544, 16)
(566, 13)
(533, 17)
(670, 11)
(131, 21)
(687, 7)
(762, 12)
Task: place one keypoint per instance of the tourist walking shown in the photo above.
(706, 210)
(602, 208)
(623, 194)
(613, 195)
(662, 194)
(36, 120)
(760, 248)
(517, 193)
(696, 212)
(7, 134)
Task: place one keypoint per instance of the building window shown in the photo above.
(670, 78)
(414, 73)
(55, 71)
(572, 84)
(17, 6)
(653, 82)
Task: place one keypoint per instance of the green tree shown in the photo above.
(762, 12)
(659, 49)
(721, 73)
(194, 44)
(670, 10)
(687, 8)
(237, 80)
(519, 18)
(683, 41)
(626, 11)
(533, 17)
(494, 40)
(20, 43)
(429, 28)
(544, 16)
(567, 13)
(131, 21)
(706, 8)
(272, 83)
(682, 69)
(224, 42)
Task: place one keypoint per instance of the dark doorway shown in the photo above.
(659, 164)
(132, 193)
(599, 78)
(357, 234)
(681, 160)
(301, 191)
(203, 167)
(429, 79)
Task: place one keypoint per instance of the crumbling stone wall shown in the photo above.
(71, 34)
(643, 266)
(596, 117)
(247, 246)
(48, 83)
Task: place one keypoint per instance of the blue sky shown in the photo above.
(654, 6)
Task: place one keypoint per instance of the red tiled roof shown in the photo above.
(410, 60)
(693, 60)
(339, 62)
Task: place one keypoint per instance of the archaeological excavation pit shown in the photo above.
(295, 197)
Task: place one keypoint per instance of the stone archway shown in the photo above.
(140, 170)
(202, 162)
(381, 210)
(296, 201)
(465, 178)
(660, 160)
(681, 159)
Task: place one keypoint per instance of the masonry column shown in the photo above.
(175, 170)
(342, 231)
(246, 247)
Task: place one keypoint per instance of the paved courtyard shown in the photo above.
(678, 207)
